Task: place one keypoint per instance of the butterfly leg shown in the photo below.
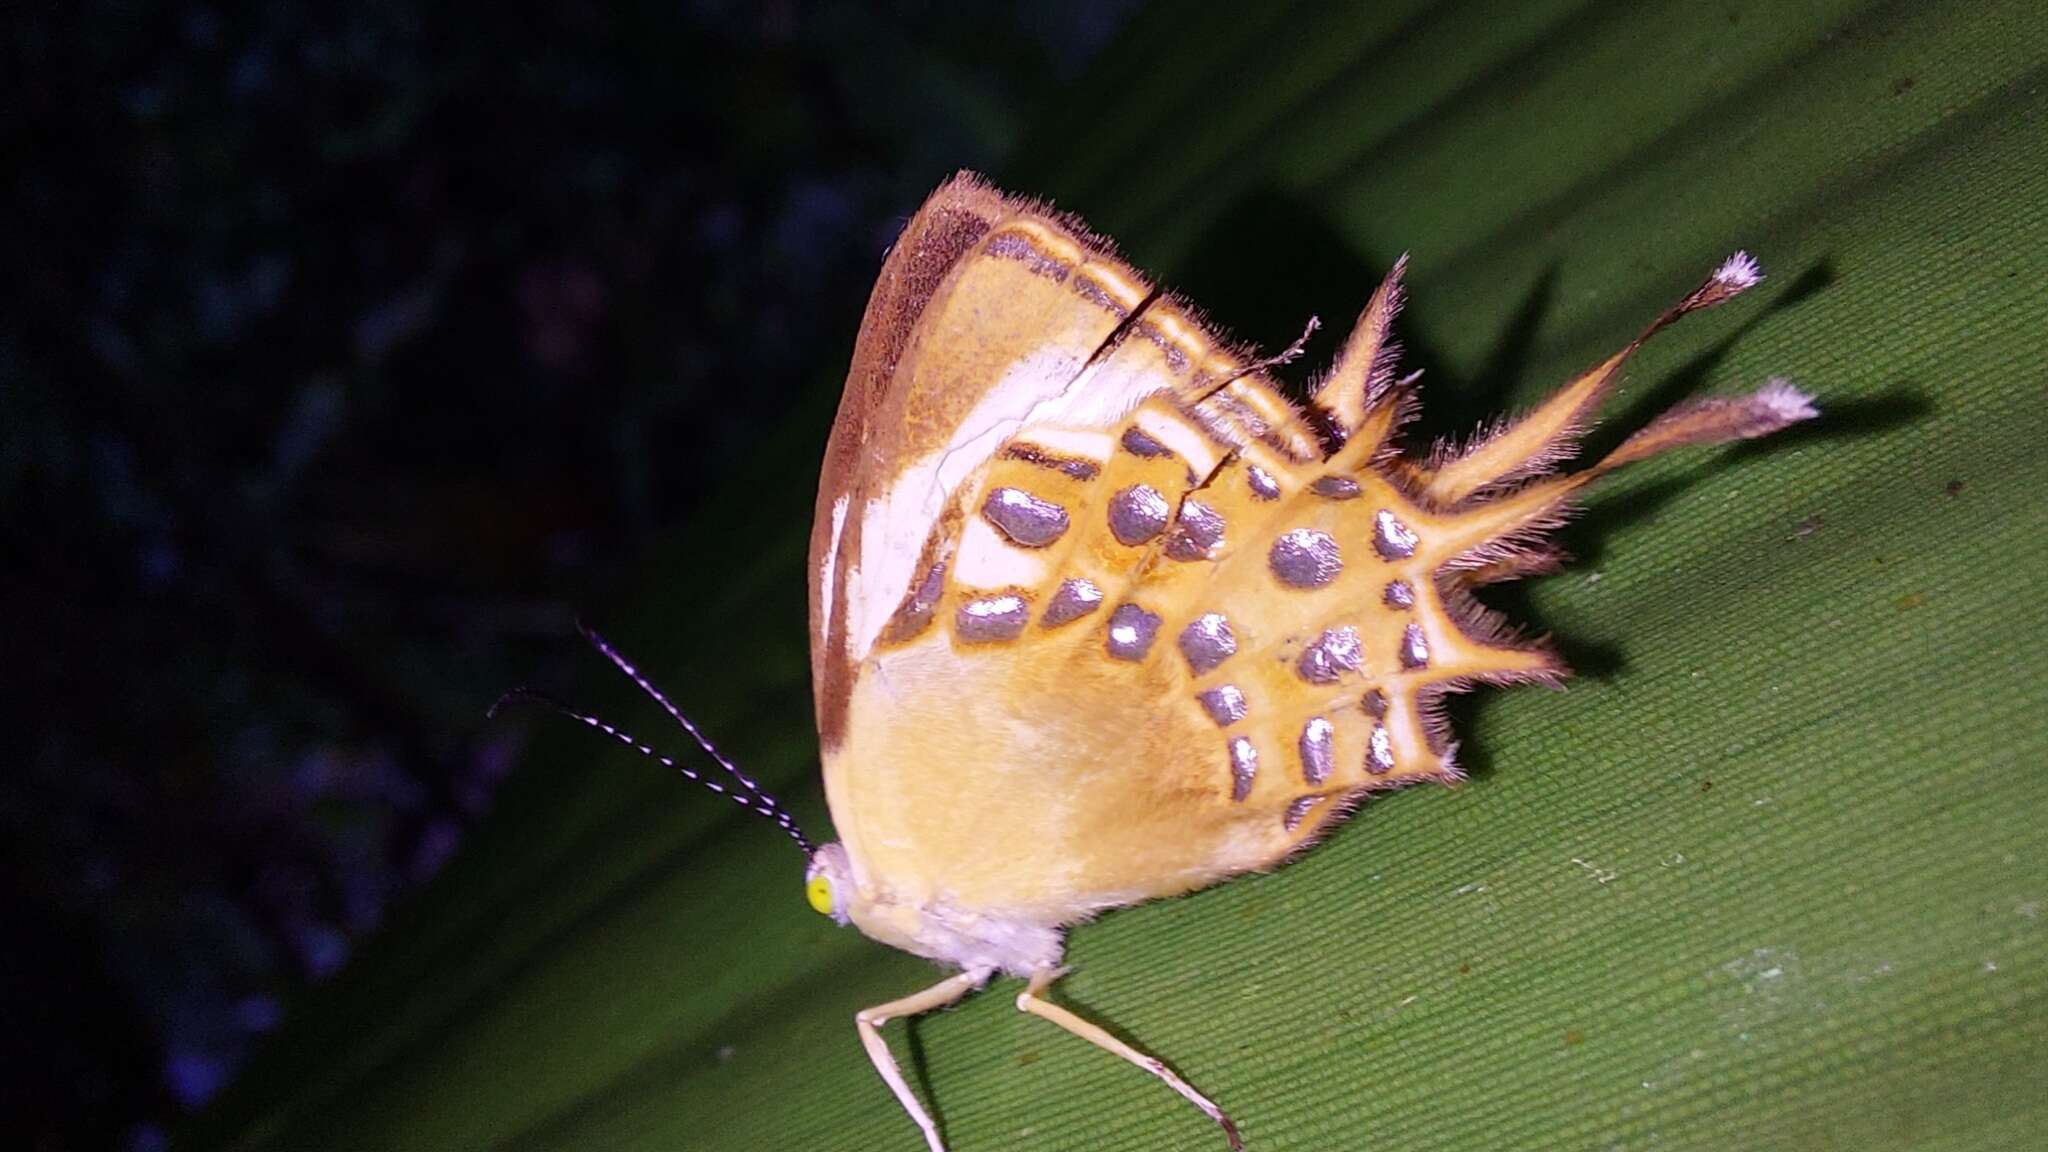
(1031, 1000)
(870, 1020)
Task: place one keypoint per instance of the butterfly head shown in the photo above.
(950, 935)
(828, 883)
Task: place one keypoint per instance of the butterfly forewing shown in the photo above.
(985, 316)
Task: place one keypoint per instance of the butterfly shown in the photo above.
(1100, 616)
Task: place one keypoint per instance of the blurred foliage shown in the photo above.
(350, 347)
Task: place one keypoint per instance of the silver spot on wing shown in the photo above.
(1318, 746)
(1334, 653)
(1379, 751)
(1199, 532)
(1224, 704)
(1399, 594)
(1207, 643)
(1024, 518)
(1296, 810)
(915, 613)
(1131, 631)
(1244, 767)
(1137, 443)
(1075, 599)
(1263, 486)
(1137, 514)
(1414, 647)
(991, 618)
(1305, 558)
(1392, 539)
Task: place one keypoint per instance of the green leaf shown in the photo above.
(1769, 875)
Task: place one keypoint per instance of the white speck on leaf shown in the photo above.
(1777, 987)
(1602, 875)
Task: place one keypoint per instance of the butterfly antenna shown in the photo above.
(632, 673)
(754, 801)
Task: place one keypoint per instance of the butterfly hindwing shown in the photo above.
(1104, 595)
(1160, 656)
(1101, 616)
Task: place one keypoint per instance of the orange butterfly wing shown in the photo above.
(969, 758)
(1100, 618)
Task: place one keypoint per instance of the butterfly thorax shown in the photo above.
(938, 930)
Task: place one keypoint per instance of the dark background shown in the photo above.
(351, 354)
(352, 351)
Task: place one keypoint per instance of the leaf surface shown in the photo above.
(1769, 875)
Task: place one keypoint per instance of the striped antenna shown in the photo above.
(624, 665)
(748, 795)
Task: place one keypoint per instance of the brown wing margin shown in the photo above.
(951, 221)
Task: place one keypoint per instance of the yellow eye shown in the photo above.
(818, 890)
